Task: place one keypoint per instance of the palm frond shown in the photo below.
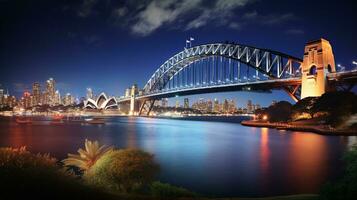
(87, 157)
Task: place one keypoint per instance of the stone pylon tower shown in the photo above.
(317, 63)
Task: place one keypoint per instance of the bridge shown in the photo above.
(222, 67)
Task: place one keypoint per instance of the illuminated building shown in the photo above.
(209, 105)
(68, 100)
(36, 92)
(1, 97)
(26, 99)
(164, 102)
(102, 102)
(50, 92)
(216, 106)
(57, 98)
(225, 106)
(232, 108)
(177, 105)
(186, 103)
(250, 107)
(90, 93)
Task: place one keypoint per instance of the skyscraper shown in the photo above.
(89, 93)
(250, 106)
(186, 103)
(216, 107)
(177, 104)
(36, 93)
(1, 97)
(57, 98)
(225, 106)
(50, 91)
(164, 102)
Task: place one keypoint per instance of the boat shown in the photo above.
(95, 121)
(56, 122)
(23, 121)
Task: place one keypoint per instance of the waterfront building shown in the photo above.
(177, 105)
(165, 102)
(186, 103)
(225, 106)
(102, 102)
(250, 108)
(50, 91)
(216, 106)
(57, 98)
(209, 106)
(1, 97)
(232, 108)
(26, 99)
(36, 92)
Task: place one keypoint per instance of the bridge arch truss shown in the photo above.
(220, 63)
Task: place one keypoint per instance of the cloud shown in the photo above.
(144, 17)
(86, 8)
(269, 19)
(220, 13)
(158, 13)
(294, 31)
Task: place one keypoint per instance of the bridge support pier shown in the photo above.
(146, 107)
(317, 63)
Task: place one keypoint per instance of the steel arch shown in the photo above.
(272, 63)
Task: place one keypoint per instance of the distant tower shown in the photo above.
(318, 62)
(36, 92)
(89, 93)
(186, 103)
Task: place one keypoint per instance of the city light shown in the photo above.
(265, 117)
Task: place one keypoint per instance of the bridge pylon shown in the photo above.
(317, 63)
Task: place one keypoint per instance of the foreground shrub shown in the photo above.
(125, 171)
(86, 158)
(36, 176)
(164, 190)
(345, 187)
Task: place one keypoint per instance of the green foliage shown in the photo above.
(305, 105)
(38, 176)
(125, 171)
(164, 190)
(87, 158)
(279, 112)
(345, 187)
(338, 105)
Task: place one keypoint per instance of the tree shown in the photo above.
(339, 106)
(279, 112)
(305, 105)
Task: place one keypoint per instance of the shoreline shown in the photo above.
(319, 129)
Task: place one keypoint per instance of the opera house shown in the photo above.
(102, 103)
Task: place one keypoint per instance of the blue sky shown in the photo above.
(108, 45)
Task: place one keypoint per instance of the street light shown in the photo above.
(354, 63)
(342, 68)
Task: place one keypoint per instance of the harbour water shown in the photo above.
(212, 156)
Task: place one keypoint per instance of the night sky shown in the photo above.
(109, 45)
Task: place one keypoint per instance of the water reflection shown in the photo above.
(214, 158)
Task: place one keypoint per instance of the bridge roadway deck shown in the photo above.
(263, 86)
